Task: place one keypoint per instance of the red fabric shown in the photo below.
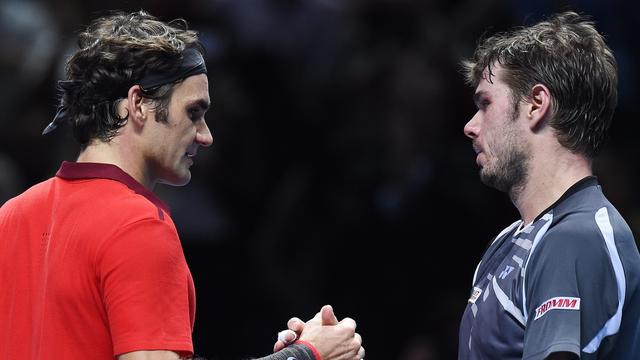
(90, 268)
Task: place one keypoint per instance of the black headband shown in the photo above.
(191, 63)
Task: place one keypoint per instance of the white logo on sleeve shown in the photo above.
(475, 295)
(562, 303)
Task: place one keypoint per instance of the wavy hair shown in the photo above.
(115, 53)
(568, 55)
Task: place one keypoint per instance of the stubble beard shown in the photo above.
(510, 170)
(509, 174)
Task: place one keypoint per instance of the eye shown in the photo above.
(195, 114)
(483, 104)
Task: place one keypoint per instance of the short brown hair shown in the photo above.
(568, 55)
(115, 53)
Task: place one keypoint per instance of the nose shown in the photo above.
(472, 128)
(203, 134)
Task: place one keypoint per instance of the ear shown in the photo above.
(539, 107)
(137, 107)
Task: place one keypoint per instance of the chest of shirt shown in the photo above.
(493, 323)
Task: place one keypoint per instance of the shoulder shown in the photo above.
(90, 195)
(29, 196)
(584, 234)
(151, 239)
(585, 221)
(137, 225)
(119, 199)
(116, 217)
(110, 204)
(25, 206)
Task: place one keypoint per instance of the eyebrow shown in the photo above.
(201, 103)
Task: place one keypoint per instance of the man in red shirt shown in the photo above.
(91, 265)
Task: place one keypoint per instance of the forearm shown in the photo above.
(295, 351)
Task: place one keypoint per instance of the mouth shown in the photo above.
(476, 148)
(189, 155)
(191, 152)
(479, 154)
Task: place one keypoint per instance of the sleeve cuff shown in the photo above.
(558, 347)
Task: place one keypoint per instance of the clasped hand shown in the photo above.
(333, 339)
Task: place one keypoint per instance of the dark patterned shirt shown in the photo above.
(569, 281)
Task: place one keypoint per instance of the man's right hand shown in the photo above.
(333, 339)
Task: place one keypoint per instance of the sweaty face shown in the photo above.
(176, 141)
(502, 151)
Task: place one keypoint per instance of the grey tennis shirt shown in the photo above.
(566, 282)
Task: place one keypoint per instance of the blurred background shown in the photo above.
(339, 172)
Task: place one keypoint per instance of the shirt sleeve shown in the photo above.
(570, 291)
(146, 287)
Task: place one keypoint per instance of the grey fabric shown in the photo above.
(554, 286)
(295, 351)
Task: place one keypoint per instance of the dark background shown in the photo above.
(339, 172)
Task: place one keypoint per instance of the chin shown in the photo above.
(493, 180)
(177, 179)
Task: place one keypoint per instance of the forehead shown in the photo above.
(492, 82)
(193, 88)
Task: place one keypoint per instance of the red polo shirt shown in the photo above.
(91, 267)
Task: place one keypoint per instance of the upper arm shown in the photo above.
(147, 289)
(570, 291)
(150, 355)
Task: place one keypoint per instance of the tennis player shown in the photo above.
(91, 266)
(562, 282)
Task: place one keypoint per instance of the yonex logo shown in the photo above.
(564, 303)
(507, 270)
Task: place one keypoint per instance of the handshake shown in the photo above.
(324, 335)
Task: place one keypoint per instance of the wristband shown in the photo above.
(313, 349)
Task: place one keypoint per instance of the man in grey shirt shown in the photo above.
(561, 282)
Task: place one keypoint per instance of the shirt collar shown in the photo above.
(86, 170)
(580, 185)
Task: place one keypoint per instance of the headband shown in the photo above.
(191, 63)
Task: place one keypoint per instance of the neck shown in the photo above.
(548, 179)
(115, 152)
